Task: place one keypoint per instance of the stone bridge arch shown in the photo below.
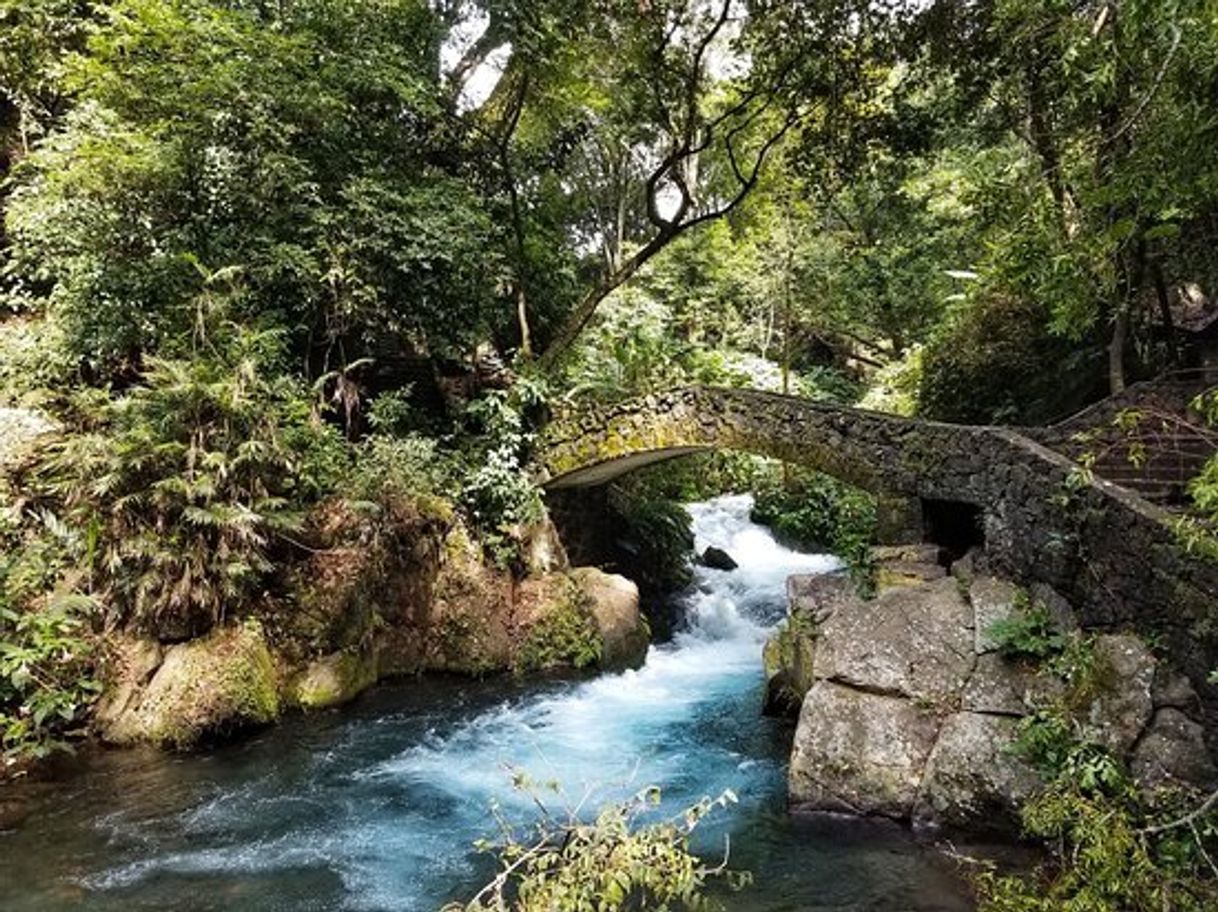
(884, 454)
(1114, 554)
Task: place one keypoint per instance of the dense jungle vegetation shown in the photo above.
(255, 256)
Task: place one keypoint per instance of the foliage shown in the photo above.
(187, 483)
(895, 388)
(1113, 845)
(296, 145)
(1028, 632)
(815, 511)
(620, 860)
(497, 495)
(46, 676)
(1108, 854)
(407, 466)
(997, 362)
(33, 367)
(46, 644)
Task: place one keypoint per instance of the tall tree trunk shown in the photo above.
(1165, 317)
(1114, 146)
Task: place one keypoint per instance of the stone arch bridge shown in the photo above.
(1115, 554)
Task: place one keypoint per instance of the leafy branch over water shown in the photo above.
(618, 861)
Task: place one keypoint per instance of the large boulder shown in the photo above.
(332, 680)
(205, 689)
(993, 601)
(858, 752)
(1123, 702)
(371, 571)
(469, 628)
(912, 642)
(718, 559)
(1173, 751)
(972, 778)
(909, 709)
(614, 603)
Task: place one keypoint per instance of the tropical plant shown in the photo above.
(187, 483)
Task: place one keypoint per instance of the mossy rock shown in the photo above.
(613, 601)
(558, 629)
(332, 680)
(788, 658)
(204, 690)
(468, 626)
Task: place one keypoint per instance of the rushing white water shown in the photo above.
(376, 808)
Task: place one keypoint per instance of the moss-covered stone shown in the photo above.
(613, 601)
(205, 689)
(332, 680)
(468, 627)
(368, 568)
(787, 658)
(556, 626)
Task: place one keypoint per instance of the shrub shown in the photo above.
(1029, 632)
(497, 495)
(46, 647)
(616, 862)
(814, 511)
(187, 482)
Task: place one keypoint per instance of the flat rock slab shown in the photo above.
(915, 642)
(859, 753)
(1007, 688)
(819, 595)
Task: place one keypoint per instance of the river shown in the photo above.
(374, 807)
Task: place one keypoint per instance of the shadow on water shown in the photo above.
(374, 807)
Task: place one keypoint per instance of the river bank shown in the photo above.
(375, 807)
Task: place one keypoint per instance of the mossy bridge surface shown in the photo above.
(1116, 554)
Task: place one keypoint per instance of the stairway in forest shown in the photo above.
(1147, 438)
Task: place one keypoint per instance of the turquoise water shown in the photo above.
(374, 807)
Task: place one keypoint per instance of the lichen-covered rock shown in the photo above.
(469, 628)
(914, 642)
(909, 708)
(368, 570)
(131, 662)
(204, 689)
(818, 595)
(859, 753)
(1175, 690)
(788, 658)
(972, 778)
(542, 548)
(332, 680)
(906, 565)
(1123, 703)
(19, 429)
(1004, 687)
(1173, 751)
(614, 603)
(993, 601)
